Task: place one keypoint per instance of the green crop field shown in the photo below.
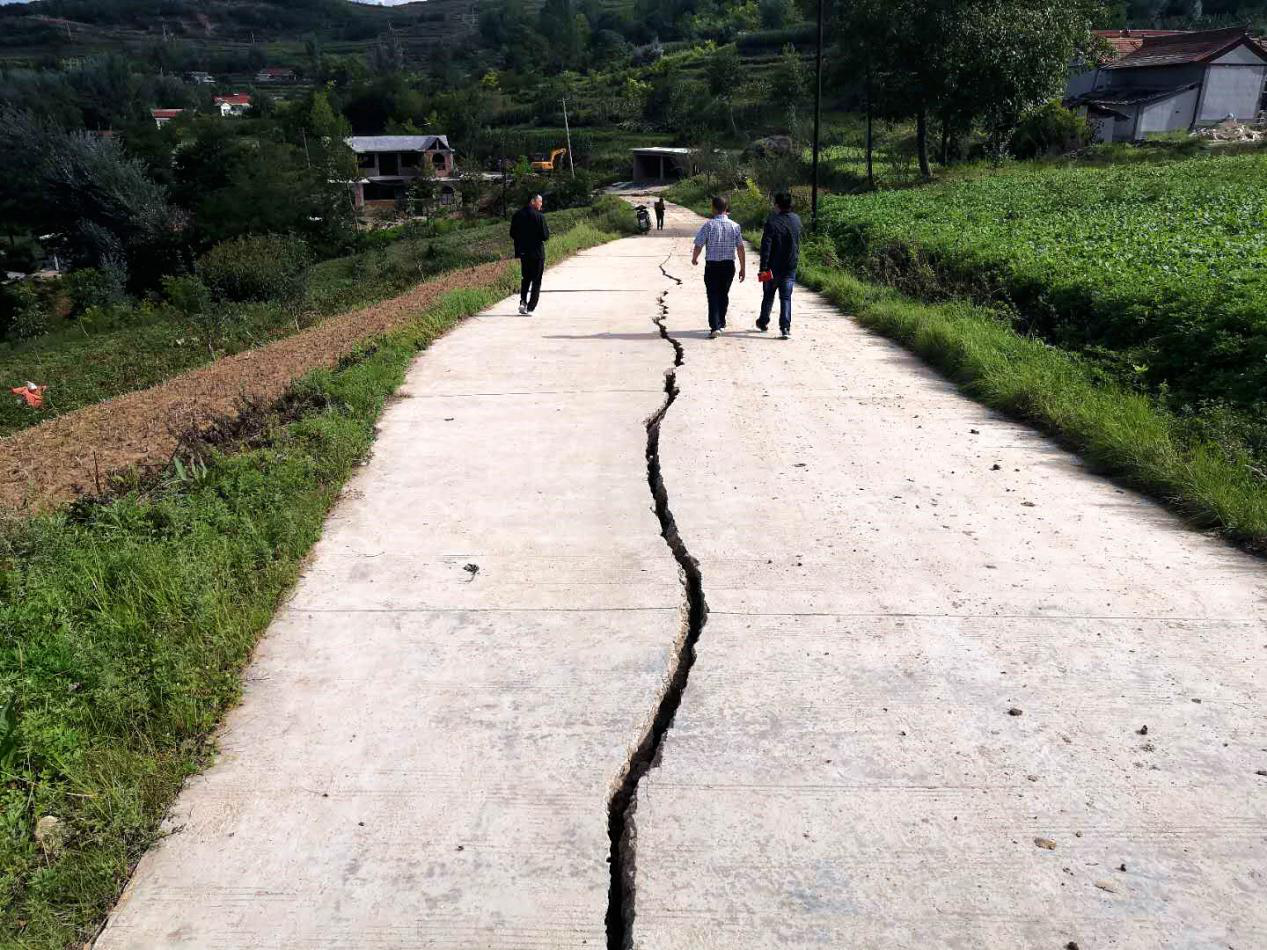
(1157, 270)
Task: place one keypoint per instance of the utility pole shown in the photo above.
(818, 114)
(567, 129)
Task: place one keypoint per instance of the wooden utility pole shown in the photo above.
(818, 114)
(567, 130)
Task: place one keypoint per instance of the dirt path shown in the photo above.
(74, 454)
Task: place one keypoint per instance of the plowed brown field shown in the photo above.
(72, 455)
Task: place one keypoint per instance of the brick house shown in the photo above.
(389, 164)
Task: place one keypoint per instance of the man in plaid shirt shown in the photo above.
(720, 239)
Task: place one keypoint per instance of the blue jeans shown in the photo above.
(783, 283)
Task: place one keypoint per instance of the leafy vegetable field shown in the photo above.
(1158, 272)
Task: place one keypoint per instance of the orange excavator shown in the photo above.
(552, 164)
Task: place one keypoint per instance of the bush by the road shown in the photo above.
(264, 268)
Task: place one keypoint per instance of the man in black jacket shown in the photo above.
(780, 253)
(529, 231)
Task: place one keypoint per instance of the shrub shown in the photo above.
(28, 315)
(568, 191)
(89, 287)
(1051, 129)
(192, 299)
(267, 268)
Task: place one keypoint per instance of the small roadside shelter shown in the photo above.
(662, 164)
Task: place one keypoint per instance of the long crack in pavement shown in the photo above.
(623, 802)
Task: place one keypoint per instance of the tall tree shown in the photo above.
(965, 62)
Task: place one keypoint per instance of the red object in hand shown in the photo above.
(765, 276)
(32, 394)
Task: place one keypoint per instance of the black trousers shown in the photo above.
(530, 269)
(659, 220)
(718, 276)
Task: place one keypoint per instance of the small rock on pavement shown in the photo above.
(1045, 843)
(1014, 711)
(1142, 731)
(50, 834)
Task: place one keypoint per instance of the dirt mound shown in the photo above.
(73, 454)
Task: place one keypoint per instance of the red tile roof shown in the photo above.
(1125, 42)
(1178, 49)
(165, 113)
(237, 99)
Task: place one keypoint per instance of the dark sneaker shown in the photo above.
(785, 335)
(762, 326)
(523, 308)
(712, 334)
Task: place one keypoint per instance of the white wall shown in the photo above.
(1233, 90)
(1168, 115)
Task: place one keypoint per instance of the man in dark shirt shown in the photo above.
(529, 231)
(659, 213)
(780, 253)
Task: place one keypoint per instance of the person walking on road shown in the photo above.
(530, 231)
(720, 239)
(780, 253)
(659, 213)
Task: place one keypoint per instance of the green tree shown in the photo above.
(776, 14)
(966, 62)
(789, 82)
(424, 192)
(114, 215)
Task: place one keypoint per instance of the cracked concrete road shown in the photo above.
(425, 754)
(892, 570)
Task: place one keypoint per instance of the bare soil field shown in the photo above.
(75, 454)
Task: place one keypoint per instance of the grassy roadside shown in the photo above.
(1122, 433)
(124, 627)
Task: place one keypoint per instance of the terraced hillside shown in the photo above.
(69, 28)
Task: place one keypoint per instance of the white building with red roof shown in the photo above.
(162, 116)
(1161, 81)
(235, 105)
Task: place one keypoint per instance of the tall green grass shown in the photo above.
(124, 625)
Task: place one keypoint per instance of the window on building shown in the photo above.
(365, 160)
(439, 159)
(410, 159)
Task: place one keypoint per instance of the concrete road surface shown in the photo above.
(951, 691)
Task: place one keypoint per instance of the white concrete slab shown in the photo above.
(844, 770)
(423, 756)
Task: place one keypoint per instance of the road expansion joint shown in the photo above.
(622, 804)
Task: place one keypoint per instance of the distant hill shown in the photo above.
(65, 28)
